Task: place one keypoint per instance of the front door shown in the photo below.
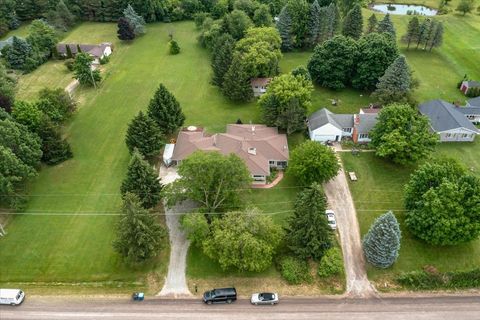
(337, 138)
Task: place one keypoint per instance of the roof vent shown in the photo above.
(252, 151)
(191, 128)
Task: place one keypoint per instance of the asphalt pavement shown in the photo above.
(398, 308)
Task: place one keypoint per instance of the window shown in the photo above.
(363, 136)
(465, 135)
(470, 117)
(282, 164)
(448, 135)
(349, 130)
(271, 162)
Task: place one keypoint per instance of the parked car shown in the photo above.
(332, 222)
(224, 295)
(12, 297)
(264, 298)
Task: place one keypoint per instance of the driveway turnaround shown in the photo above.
(51, 308)
(340, 200)
(176, 282)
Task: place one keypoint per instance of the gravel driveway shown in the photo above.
(340, 200)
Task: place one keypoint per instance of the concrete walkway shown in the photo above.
(340, 200)
(176, 282)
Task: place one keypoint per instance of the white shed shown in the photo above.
(168, 153)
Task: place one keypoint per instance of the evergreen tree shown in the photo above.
(125, 30)
(69, 51)
(222, 55)
(142, 181)
(381, 245)
(465, 6)
(61, 17)
(139, 235)
(413, 30)
(386, 25)
(308, 234)
(284, 26)
(55, 149)
(332, 21)
(424, 31)
(429, 33)
(314, 23)
(236, 84)
(395, 84)
(437, 37)
(135, 20)
(17, 54)
(353, 23)
(372, 24)
(165, 110)
(174, 48)
(144, 135)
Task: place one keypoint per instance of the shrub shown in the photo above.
(104, 60)
(424, 280)
(473, 92)
(295, 271)
(69, 64)
(331, 263)
(174, 47)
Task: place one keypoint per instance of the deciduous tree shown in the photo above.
(262, 16)
(82, 70)
(125, 29)
(402, 135)
(312, 162)
(465, 6)
(237, 23)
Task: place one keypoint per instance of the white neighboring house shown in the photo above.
(472, 110)
(259, 85)
(449, 121)
(323, 126)
(97, 52)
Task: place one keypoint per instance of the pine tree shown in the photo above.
(430, 33)
(143, 181)
(69, 51)
(314, 23)
(353, 23)
(222, 55)
(308, 232)
(165, 110)
(437, 38)
(381, 245)
(413, 30)
(372, 24)
(136, 21)
(395, 84)
(18, 53)
(284, 26)
(423, 31)
(144, 135)
(63, 15)
(386, 25)
(79, 49)
(236, 84)
(54, 149)
(125, 30)
(332, 21)
(139, 235)
(174, 47)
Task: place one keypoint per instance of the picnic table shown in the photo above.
(352, 175)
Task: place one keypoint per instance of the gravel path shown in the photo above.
(340, 200)
(176, 282)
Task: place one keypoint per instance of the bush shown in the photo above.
(473, 92)
(104, 60)
(331, 263)
(69, 64)
(424, 280)
(295, 271)
(174, 47)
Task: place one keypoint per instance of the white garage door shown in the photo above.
(324, 138)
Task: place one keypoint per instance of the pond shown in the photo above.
(404, 9)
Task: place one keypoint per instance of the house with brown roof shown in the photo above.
(97, 52)
(261, 147)
(259, 85)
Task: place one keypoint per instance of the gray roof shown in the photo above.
(469, 110)
(367, 122)
(6, 42)
(323, 116)
(472, 83)
(445, 116)
(474, 102)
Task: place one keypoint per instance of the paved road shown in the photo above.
(457, 308)
(340, 200)
(176, 282)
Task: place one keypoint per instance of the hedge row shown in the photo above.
(422, 280)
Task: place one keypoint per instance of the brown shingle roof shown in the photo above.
(239, 139)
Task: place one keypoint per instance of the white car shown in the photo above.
(332, 222)
(12, 297)
(264, 298)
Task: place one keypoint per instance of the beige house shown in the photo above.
(261, 147)
(259, 86)
(97, 52)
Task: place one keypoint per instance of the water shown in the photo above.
(404, 9)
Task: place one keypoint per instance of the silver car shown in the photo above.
(332, 222)
(264, 298)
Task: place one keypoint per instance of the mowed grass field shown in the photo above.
(76, 248)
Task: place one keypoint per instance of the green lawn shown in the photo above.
(380, 188)
(77, 248)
